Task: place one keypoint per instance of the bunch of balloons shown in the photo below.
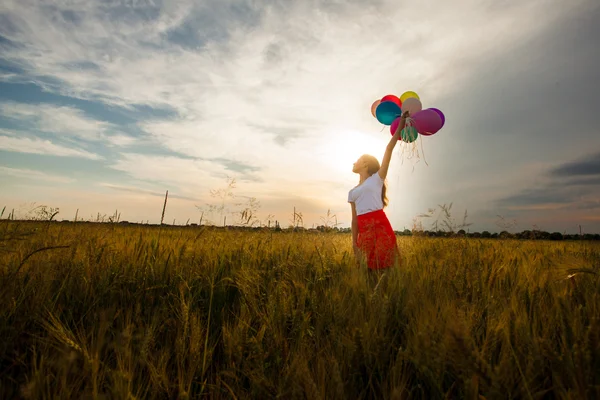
(421, 122)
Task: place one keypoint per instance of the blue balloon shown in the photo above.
(387, 112)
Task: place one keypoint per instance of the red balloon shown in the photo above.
(392, 98)
(427, 122)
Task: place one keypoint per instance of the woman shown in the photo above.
(372, 233)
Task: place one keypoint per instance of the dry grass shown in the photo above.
(125, 313)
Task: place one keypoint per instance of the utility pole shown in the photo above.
(164, 208)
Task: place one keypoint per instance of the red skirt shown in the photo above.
(377, 240)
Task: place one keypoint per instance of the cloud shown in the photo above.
(63, 121)
(253, 66)
(32, 174)
(41, 146)
(191, 176)
(121, 140)
(131, 189)
(587, 166)
(56, 119)
(279, 88)
(567, 186)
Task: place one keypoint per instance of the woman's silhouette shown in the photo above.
(372, 235)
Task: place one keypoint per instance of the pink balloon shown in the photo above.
(394, 126)
(412, 105)
(427, 122)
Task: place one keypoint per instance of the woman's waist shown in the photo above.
(371, 214)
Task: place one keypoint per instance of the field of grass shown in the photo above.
(124, 312)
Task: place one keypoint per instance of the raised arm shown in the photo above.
(385, 163)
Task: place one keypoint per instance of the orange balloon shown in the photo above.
(374, 107)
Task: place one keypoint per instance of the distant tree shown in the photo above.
(527, 235)
(543, 235)
(486, 234)
(556, 236)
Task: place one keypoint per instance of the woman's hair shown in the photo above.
(372, 168)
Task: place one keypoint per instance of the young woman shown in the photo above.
(372, 235)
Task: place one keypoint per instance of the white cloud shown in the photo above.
(121, 140)
(33, 174)
(40, 146)
(57, 119)
(191, 177)
(64, 121)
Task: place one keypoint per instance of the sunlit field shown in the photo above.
(140, 312)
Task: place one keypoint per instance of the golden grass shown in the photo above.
(139, 312)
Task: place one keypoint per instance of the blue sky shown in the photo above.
(105, 105)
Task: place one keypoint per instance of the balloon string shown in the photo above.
(423, 151)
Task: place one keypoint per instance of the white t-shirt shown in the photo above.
(367, 196)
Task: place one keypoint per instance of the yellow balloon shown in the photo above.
(408, 95)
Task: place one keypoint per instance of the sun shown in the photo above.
(344, 148)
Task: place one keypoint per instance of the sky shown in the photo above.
(105, 105)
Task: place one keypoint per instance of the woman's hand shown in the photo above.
(405, 115)
(357, 254)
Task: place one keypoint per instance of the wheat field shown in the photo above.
(140, 312)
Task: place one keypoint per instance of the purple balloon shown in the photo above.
(427, 122)
(441, 114)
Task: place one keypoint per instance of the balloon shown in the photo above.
(387, 112)
(394, 126)
(408, 95)
(374, 107)
(441, 114)
(392, 98)
(427, 122)
(409, 134)
(412, 104)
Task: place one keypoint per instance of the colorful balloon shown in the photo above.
(412, 104)
(408, 95)
(409, 134)
(387, 112)
(394, 126)
(441, 114)
(374, 107)
(427, 122)
(392, 98)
